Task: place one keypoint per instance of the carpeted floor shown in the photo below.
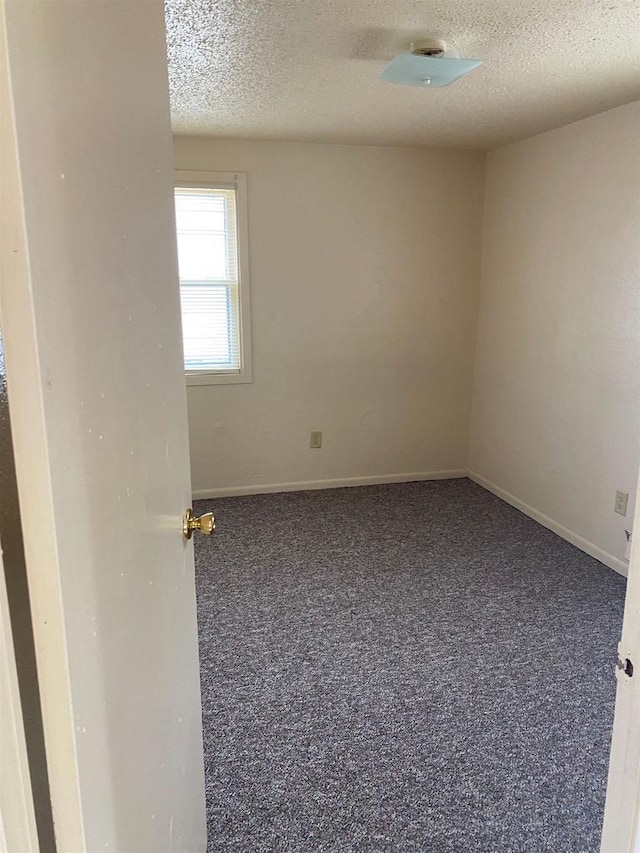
(412, 667)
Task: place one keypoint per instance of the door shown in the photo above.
(621, 831)
(90, 308)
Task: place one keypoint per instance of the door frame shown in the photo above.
(31, 459)
(621, 827)
(17, 816)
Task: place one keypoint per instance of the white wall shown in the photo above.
(556, 405)
(364, 278)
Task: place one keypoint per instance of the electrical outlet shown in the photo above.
(315, 442)
(622, 498)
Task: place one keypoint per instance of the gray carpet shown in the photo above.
(411, 667)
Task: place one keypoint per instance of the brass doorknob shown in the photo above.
(204, 523)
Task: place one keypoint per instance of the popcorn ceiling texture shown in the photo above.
(308, 70)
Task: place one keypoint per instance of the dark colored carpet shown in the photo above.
(411, 667)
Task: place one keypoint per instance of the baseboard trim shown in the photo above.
(338, 483)
(583, 544)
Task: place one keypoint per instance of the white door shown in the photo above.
(621, 832)
(91, 320)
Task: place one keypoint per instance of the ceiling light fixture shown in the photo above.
(430, 63)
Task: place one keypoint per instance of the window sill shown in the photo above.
(204, 378)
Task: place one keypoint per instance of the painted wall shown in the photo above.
(364, 279)
(556, 404)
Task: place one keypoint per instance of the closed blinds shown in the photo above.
(208, 264)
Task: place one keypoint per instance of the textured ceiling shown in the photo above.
(305, 70)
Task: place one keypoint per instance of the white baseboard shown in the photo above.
(379, 479)
(583, 544)
(341, 482)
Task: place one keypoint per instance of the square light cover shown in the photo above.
(410, 69)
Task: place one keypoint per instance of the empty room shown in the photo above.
(320, 426)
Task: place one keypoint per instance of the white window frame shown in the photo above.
(238, 182)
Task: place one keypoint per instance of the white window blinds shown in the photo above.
(208, 263)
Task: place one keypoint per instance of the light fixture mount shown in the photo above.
(428, 47)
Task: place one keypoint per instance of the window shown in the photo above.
(211, 224)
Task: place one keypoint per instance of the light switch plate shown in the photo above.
(315, 442)
(622, 499)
